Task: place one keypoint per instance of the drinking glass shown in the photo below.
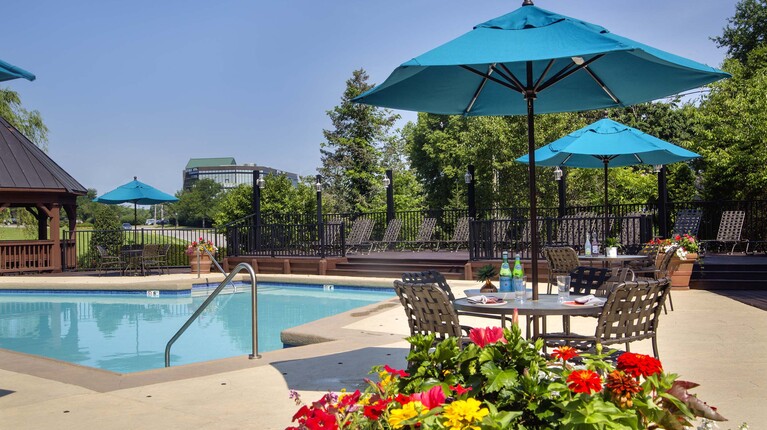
(563, 288)
(519, 288)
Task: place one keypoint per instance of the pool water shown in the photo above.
(128, 334)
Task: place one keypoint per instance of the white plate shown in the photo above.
(502, 302)
(576, 304)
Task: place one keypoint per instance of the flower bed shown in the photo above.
(501, 381)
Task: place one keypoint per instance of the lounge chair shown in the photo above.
(423, 237)
(389, 238)
(687, 221)
(460, 235)
(360, 233)
(730, 228)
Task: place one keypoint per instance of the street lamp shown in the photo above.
(388, 182)
(557, 174)
(320, 227)
(260, 182)
(468, 177)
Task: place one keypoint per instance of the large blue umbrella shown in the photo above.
(604, 144)
(9, 71)
(135, 192)
(532, 58)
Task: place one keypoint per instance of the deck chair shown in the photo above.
(561, 261)
(460, 235)
(150, 257)
(630, 314)
(389, 238)
(646, 266)
(106, 260)
(687, 221)
(360, 233)
(423, 237)
(428, 310)
(730, 228)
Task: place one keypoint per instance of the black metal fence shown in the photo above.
(114, 240)
(244, 237)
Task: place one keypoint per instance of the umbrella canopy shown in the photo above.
(9, 71)
(604, 144)
(135, 192)
(532, 58)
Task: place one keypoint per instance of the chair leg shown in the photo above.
(670, 301)
(655, 347)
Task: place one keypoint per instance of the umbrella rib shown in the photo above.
(543, 75)
(602, 85)
(479, 90)
(567, 71)
(512, 78)
(488, 77)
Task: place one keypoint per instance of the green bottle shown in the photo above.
(518, 282)
(518, 273)
(504, 274)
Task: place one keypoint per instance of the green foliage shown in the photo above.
(29, 123)
(107, 228)
(486, 272)
(86, 207)
(746, 31)
(198, 204)
(352, 150)
(278, 196)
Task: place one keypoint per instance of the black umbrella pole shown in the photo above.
(533, 206)
(607, 207)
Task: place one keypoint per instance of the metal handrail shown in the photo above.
(253, 313)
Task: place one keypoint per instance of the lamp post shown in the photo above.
(320, 229)
(559, 176)
(388, 183)
(662, 200)
(258, 185)
(470, 194)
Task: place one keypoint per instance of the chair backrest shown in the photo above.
(102, 251)
(392, 230)
(584, 279)
(632, 311)
(618, 277)
(360, 232)
(561, 259)
(461, 232)
(426, 230)
(687, 221)
(164, 249)
(662, 269)
(428, 310)
(730, 226)
(151, 251)
(429, 277)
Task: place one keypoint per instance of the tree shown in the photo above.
(198, 204)
(746, 30)
(86, 207)
(351, 154)
(279, 196)
(106, 228)
(29, 123)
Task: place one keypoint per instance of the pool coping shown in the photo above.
(318, 338)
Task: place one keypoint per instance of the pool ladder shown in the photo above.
(253, 303)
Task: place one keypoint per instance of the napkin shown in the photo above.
(483, 300)
(589, 300)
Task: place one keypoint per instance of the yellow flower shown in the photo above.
(408, 411)
(386, 380)
(461, 414)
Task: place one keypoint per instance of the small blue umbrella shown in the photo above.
(9, 71)
(536, 61)
(607, 143)
(135, 192)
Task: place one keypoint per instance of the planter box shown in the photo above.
(680, 270)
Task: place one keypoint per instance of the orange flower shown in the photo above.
(565, 353)
(622, 388)
(638, 365)
(584, 381)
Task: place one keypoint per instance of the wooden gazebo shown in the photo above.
(31, 180)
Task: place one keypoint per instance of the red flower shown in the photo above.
(639, 364)
(565, 353)
(402, 399)
(485, 336)
(349, 399)
(432, 398)
(400, 373)
(459, 390)
(584, 381)
(375, 410)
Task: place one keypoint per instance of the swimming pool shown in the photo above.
(128, 333)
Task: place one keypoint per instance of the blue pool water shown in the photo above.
(128, 333)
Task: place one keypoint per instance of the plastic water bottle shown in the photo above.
(587, 246)
(504, 274)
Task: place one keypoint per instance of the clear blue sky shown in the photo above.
(139, 87)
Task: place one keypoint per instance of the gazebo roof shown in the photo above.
(26, 167)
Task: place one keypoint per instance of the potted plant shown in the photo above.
(199, 260)
(611, 246)
(681, 265)
(487, 274)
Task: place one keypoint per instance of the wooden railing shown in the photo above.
(17, 256)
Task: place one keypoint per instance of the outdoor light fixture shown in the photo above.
(260, 182)
(318, 186)
(557, 174)
(467, 177)
(657, 168)
(386, 182)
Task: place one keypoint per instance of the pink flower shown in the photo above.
(432, 398)
(400, 373)
(485, 336)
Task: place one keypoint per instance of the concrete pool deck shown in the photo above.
(709, 338)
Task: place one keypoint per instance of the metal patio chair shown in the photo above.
(730, 228)
(423, 238)
(360, 234)
(687, 221)
(389, 238)
(106, 261)
(561, 261)
(460, 235)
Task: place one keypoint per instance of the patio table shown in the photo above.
(606, 261)
(131, 255)
(547, 304)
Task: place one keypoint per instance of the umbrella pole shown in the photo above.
(605, 227)
(530, 98)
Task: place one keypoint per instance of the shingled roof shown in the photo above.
(25, 166)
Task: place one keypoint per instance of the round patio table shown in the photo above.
(618, 260)
(547, 304)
